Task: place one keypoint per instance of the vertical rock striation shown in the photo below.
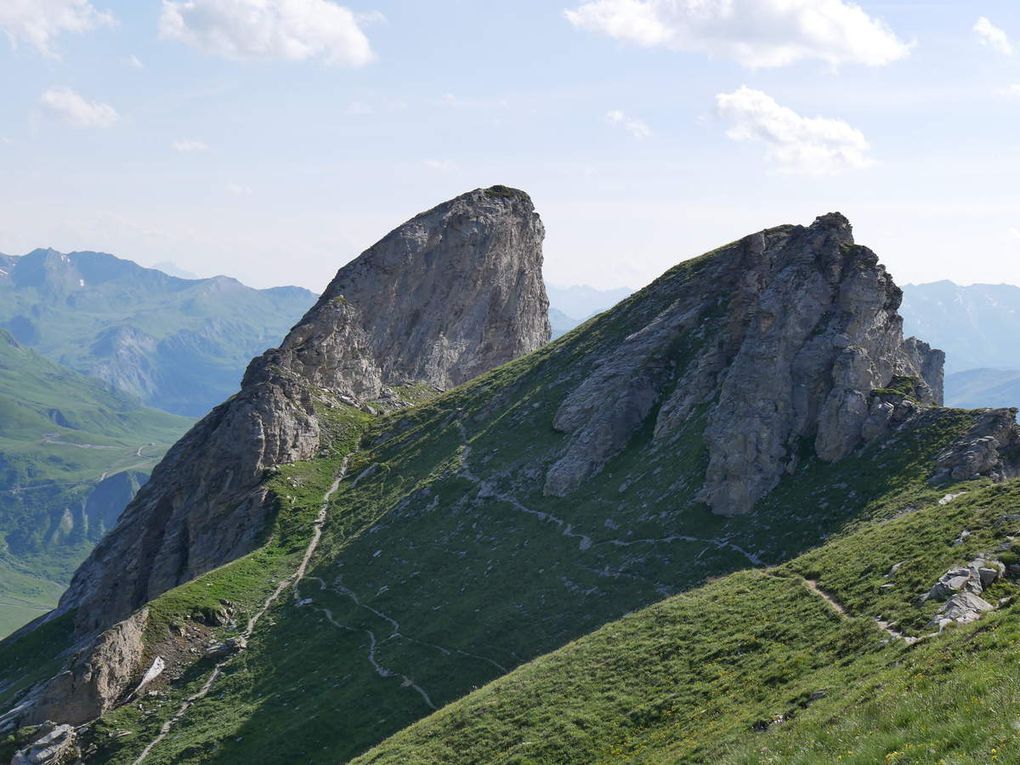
(451, 293)
(782, 336)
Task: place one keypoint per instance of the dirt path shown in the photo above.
(836, 606)
(289, 581)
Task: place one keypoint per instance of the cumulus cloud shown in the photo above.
(40, 22)
(635, 127)
(994, 37)
(289, 29)
(796, 144)
(756, 33)
(189, 145)
(70, 107)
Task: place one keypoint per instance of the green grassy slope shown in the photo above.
(61, 435)
(443, 566)
(759, 668)
(177, 344)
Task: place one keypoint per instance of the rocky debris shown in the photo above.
(452, 293)
(58, 745)
(226, 648)
(783, 336)
(990, 449)
(961, 589)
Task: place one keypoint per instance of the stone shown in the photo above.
(990, 449)
(991, 573)
(781, 338)
(962, 608)
(58, 745)
(953, 581)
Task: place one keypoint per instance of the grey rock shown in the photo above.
(990, 449)
(452, 293)
(58, 745)
(781, 337)
(961, 608)
(97, 676)
(954, 581)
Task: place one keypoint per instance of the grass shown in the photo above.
(60, 435)
(755, 668)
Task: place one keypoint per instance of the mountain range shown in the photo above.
(72, 455)
(179, 345)
(727, 520)
(979, 328)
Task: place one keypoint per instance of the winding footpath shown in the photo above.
(290, 581)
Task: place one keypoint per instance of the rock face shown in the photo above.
(450, 294)
(783, 336)
(58, 745)
(990, 449)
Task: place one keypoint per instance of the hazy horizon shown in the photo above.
(277, 145)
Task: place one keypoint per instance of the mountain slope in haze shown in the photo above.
(581, 302)
(177, 344)
(72, 454)
(984, 387)
(528, 507)
(979, 328)
(571, 306)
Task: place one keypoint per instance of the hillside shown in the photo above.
(812, 661)
(176, 344)
(72, 455)
(984, 387)
(465, 536)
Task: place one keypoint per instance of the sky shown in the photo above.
(274, 140)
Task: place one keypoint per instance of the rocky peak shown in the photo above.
(451, 293)
(784, 336)
(455, 291)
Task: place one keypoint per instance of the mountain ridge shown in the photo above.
(177, 344)
(443, 564)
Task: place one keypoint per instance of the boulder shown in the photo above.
(58, 745)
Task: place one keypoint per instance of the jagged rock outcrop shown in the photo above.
(57, 745)
(990, 449)
(783, 336)
(452, 293)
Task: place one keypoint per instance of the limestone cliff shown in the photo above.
(782, 335)
(451, 293)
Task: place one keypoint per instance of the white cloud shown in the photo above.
(189, 145)
(993, 37)
(240, 190)
(68, 106)
(1015, 233)
(796, 144)
(287, 29)
(635, 127)
(40, 22)
(756, 33)
(134, 62)
(1011, 91)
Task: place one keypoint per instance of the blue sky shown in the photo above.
(276, 150)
